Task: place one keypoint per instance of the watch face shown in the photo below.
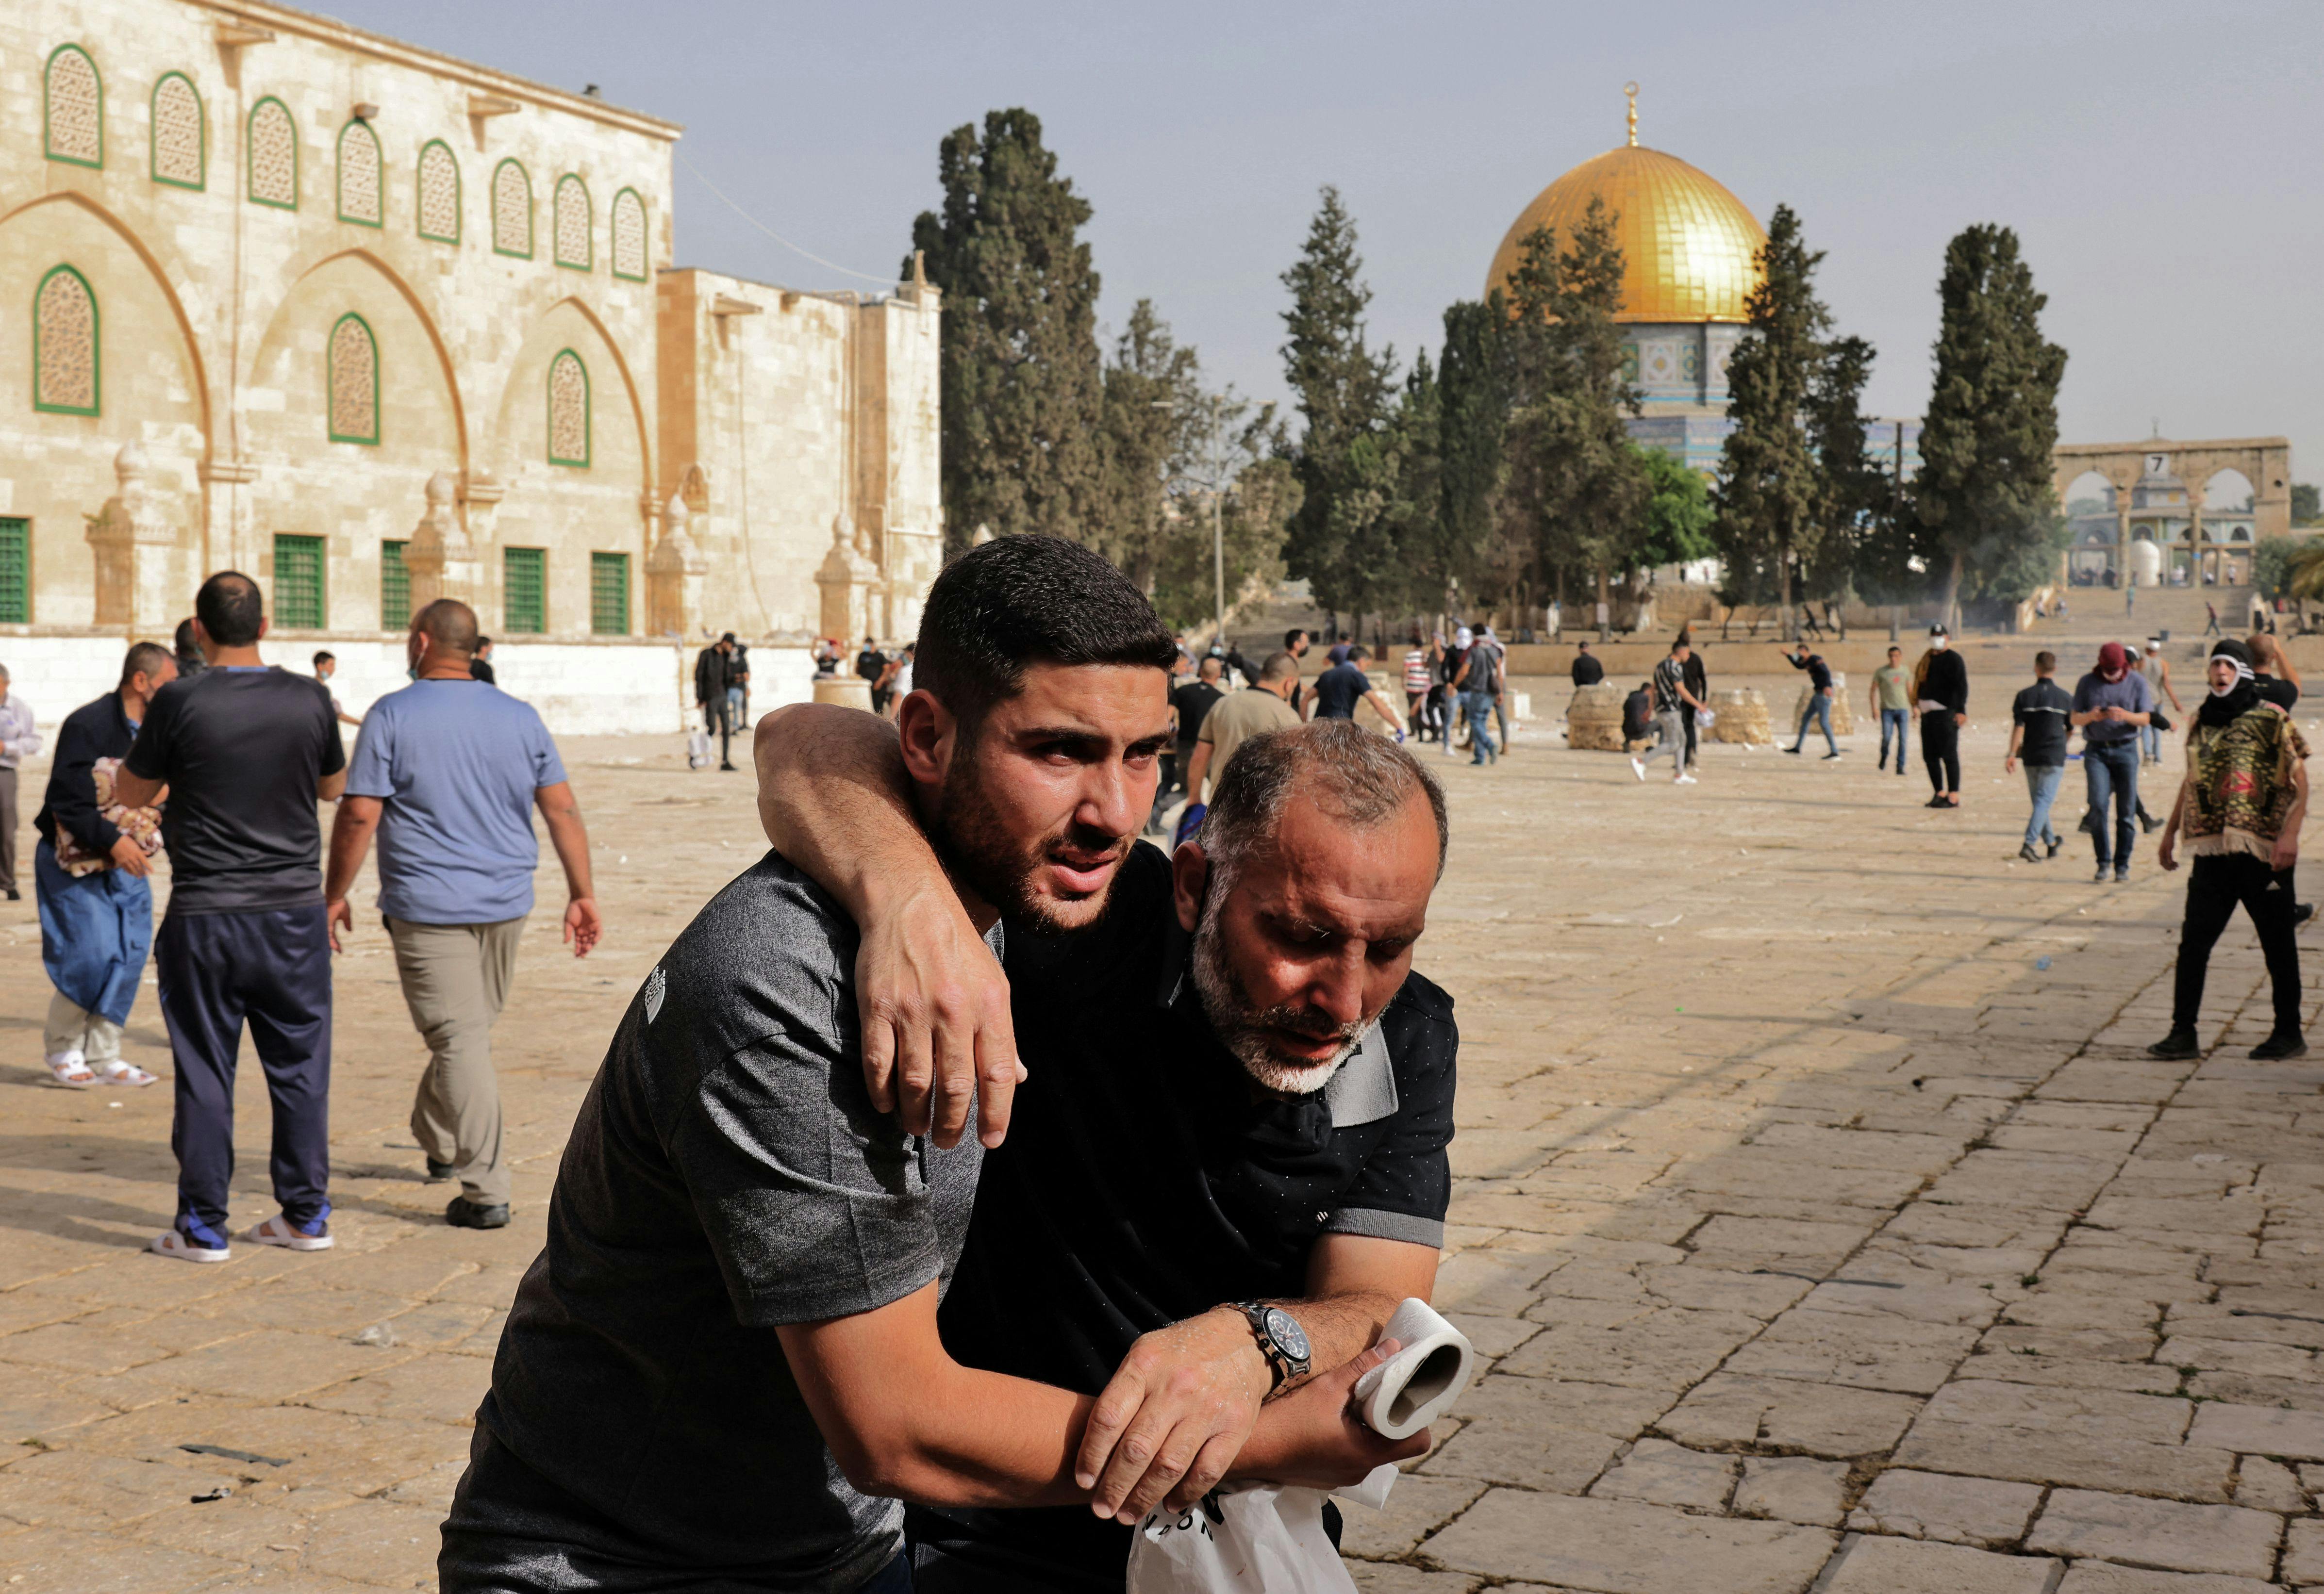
(1286, 1333)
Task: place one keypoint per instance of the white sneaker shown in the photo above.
(1686, 780)
(1638, 768)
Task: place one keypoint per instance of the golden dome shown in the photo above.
(1688, 245)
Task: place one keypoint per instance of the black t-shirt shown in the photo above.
(1587, 671)
(1141, 1184)
(2041, 708)
(241, 749)
(2276, 690)
(726, 1174)
(869, 662)
(1192, 701)
(1638, 711)
(1339, 689)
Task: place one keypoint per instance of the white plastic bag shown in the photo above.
(697, 751)
(1263, 1540)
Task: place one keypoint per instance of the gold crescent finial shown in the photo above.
(1631, 89)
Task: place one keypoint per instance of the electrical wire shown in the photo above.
(885, 282)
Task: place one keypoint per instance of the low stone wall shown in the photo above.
(1593, 719)
(1843, 716)
(612, 688)
(1739, 714)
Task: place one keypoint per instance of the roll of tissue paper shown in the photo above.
(1411, 1389)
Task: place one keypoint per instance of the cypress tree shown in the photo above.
(1986, 499)
(1343, 391)
(1767, 498)
(1019, 383)
(1854, 503)
(1472, 399)
(1151, 402)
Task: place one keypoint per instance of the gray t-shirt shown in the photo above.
(726, 1173)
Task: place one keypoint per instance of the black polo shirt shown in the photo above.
(2041, 708)
(1141, 1183)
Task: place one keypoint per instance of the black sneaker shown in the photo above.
(438, 1172)
(464, 1213)
(2149, 824)
(2052, 844)
(2301, 912)
(14, 895)
(2280, 1045)
(2176, 1047)
(1830, 756)
(2027, 852)
(2099, 878)
(1793, 751)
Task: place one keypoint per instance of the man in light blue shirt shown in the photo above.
(447, 771)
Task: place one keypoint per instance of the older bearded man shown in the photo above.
(1232, 1147)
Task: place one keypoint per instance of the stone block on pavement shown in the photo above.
(1938, 1506)
(1792, 1489)
(2166, 1535)
(1665, 1474)
(1900, 1566)
(1625, 1547)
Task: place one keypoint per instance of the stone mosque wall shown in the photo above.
(375, 325)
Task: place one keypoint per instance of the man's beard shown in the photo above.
(1242, 1027)
(978, 848)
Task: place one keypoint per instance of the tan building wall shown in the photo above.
(299, 328)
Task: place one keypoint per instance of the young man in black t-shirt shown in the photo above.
(247, 751)
(2038, 735)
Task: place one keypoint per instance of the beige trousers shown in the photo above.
(455, 978)
(72, 1029)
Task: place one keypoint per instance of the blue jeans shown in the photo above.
(2112, 770)
(2041, 786)
(2150, 738)
(1478, 707)
(1898, 719)
(1819, 710)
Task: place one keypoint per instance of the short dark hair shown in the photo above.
(449, 623)
(1280, 667)
(1359, 651)
(144, 658)
(1294, 637)
(323, 656)
(230, 608)
(1583, 646)
(186, 643)
(2044, 662)
(1024, 600)
(482, 643)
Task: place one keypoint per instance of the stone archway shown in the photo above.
(2265, 462)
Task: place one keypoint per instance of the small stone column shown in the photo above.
(674, 575)
(439, 558)
(139, 584)
(847, 579)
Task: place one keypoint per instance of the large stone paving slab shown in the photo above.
(1811, 1228)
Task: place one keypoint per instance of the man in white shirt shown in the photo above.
(18, 741)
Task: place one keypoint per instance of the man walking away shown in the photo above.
(447, 771)
(1892, 704)
(1587, 671)
(1478, 681)
(2157, 671)
(1416, 687)
(2110, 706)
(1638, 715)
(1239, 717)
(327, 665)
(1499, 653)
(245, 752)
(1818, 708)
(96, 916)
(710, 673)
(2210, 618)
(1340, 688)
(738, 685)
(1940, 698)
(18, 741)
(1670, 692)
(1192, 703)
(2240, 807)
(481, 666)
(2037, 733)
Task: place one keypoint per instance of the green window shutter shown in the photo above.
(299, 595)
(609, 594)
(395, 589)
(15, 572)
(524, 590)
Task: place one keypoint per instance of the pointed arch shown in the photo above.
(72, 109)
(568, 409)
(66, 344)
(306, 267)
(629, 381)
(513, 210)
(437, 208)
(351, 383)
(180, 155)
(363, 175)
(274, 155)
(575, 224)
(631, 247)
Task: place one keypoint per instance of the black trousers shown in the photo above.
(1686, 718)
(271, 970)
(1941, 750)
(2215, 885)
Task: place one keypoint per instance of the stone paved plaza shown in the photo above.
(1824, 1222)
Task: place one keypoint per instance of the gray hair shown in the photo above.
(1361, 779)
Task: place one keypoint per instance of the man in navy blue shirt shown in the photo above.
(2037, 735)
(1819, 707)
(2111, 704)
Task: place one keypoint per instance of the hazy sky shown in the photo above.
(2164, 163)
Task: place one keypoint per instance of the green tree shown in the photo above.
(1576, 491)
(1152, 390)
(1019, 377)
(1678, 512)
(1472, 383)
(1854, 503)
(2305, 510)
(1339, 540)
(1245, 462)
(1770, 495)
(1985, 497)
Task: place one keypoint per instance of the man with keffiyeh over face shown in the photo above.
(2240, 810)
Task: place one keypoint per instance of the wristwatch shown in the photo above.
(1280, 1339)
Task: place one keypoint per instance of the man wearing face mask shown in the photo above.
(2111, 708)
(447, 771)
(1940, 696)
(2240, 809)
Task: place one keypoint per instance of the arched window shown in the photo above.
(274, 155)
(181, 136)
(362, 179)
(353, 381)
(511, 210)
(440, 193)
(568, 409)
(76, 109)
(65, 333)
(630, 235)
(575, 248)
